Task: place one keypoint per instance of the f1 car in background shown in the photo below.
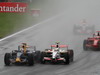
(57, 53)
(83, 29)
(92, 42)
(21, 56)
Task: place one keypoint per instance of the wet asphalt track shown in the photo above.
(42, 36)
(47, 33)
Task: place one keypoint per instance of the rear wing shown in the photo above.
(97, 31)
(60, 46)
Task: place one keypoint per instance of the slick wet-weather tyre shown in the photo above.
(66, 56)
(30, 59)
(84, 45)
(42, 58)
(71, 55)
(37, 57)
(7, 59)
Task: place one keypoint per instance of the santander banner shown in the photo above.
(16, 7)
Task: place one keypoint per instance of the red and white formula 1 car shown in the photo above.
(57, 53)
(83, 29)
(92, 42)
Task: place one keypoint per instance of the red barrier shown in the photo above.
(13, 7)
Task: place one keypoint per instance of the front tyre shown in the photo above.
(84, 45)
(7, 59)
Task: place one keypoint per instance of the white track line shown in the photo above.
(31, 27)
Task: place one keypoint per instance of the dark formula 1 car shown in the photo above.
(57, 53)
(20, 56)
(92, 42)
(83, 29)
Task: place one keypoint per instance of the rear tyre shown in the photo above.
(7, 59)
(30, 60)
(37, 56)
(66, 56)
(84, 45)
(71, 55)
(99, 45)
(42, 58)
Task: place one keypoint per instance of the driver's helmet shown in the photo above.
(96, 34)
(24, 45)
(57, 44)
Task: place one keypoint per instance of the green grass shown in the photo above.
(13, 22)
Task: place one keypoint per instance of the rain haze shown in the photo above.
(55, 24)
